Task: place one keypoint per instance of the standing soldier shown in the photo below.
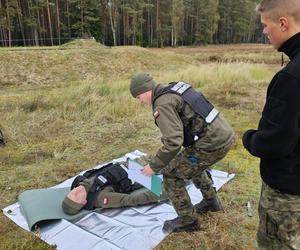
(276, 141)
(186, 119)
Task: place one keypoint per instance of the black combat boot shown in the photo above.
(213, 205)
(180, 225)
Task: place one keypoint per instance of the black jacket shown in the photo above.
(277, 139)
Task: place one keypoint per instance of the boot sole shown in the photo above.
(214, 210)
(191, 228)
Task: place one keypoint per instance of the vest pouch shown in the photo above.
(125, 185)
(188, 137)
(119, 179)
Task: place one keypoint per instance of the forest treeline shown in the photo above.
(148, 23)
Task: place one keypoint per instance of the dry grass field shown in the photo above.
(251, 53)
(62, 110)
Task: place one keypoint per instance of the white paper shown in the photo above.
(135, 174)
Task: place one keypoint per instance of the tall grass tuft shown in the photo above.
(204, 75)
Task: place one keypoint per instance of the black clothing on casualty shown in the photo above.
(277, 139)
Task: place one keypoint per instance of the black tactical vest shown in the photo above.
(198, 103)
(112, 174)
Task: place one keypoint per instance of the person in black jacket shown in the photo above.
(276, 141)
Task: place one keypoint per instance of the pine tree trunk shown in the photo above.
(151, 30)
(192, 28)
(2, 36)
(49, 22)
(38, 30)
(82, 19)
(148, 24)
(31, 33)
(175, 38)
(112, 24)
(36, 37)
(1, 30)
(68, 19)
(124, 24)
(21, 25)
(172, 36)
(43, 38)
(8, 23)
(58, 21)
(157, 23)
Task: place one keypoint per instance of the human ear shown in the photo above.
(284, 23)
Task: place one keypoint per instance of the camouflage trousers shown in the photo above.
(279, 220)
(191, 164)
(108, 198)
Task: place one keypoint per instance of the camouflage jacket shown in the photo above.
(171, 114)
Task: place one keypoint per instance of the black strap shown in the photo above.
(96, 171)
(97, 186)
(2, 139)
(77, 180)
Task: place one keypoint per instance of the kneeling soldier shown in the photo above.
(186, 119)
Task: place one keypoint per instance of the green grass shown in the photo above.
(58, 128)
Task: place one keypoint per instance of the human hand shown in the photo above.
(78, 195)
(147, 170)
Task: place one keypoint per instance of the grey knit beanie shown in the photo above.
(141, 83)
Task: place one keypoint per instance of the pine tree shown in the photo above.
(177, 18)
(207, 21)
(129, 22)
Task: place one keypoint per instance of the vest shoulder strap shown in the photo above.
(197, 101)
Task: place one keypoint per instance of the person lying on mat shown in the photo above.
(106, 187)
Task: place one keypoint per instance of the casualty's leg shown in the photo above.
(107, 198)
